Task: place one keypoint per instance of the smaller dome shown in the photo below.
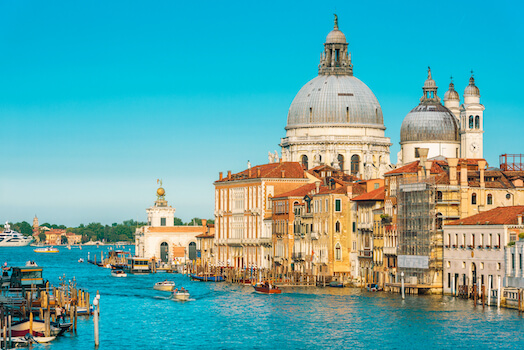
(471, 89)
(336, 37)
(160, 191)
(451, 94)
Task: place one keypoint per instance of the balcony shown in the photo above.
(365, 254)
(298, 256)
(315, 235)
(234, 242)
(390, 250)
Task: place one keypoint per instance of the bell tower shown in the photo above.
(471, 122)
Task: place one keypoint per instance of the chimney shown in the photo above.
(249, 172)
(204, 223)
(220, 176)
(428, 167)
(452, 162)
(317, 184)
(258, 172)
(349, 190)
(519, 219)
(283, 173)
(229, 174)
(482, 166)
(423, 155)
(463, 173)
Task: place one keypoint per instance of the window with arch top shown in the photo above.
(355, 164)
(340, 159)
(473, 198)
(489, 199)
(337, 227)
(338, 252)
(304, 161)
(477, 122)
(471, 122)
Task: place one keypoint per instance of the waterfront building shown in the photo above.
(206, 246)
(54, 236)
(370, 236)
(335, 119)
(445, 130)
(513, 256)
(162, 240)
(243, 211)
(73, 238)
(475, 246)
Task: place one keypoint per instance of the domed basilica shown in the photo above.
(335, 119)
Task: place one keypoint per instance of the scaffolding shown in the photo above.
(417, 237)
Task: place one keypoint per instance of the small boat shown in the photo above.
(372, 287)
(266, 288)
(118, 273)
(21, 328)
(207, 278)
(336, 284)
(28, 339)
(181, 294)
(46, 250)
(80, 260)
(167, 286)
(82, 311)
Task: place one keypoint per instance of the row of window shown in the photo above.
(473, 240)
(355, 162)
(474, 121)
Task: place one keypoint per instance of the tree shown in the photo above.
(210, 221)
(63, 239)
(24, 228)
(41, 237)
(178, 222)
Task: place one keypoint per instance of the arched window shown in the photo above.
(438, 221)
(338, 252)
(355, 164)
(477, 122)
(303, 160)
(471, 122)
(192, 251)
(337, 227)
(489, 199)
(340, 159)
(439, 196)
(164, 252)
(473, 198)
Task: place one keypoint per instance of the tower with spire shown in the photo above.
(336, 58)
(471, 122)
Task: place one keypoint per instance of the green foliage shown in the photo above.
(23, 227)
(511, 244)
(178, 222)
(211, 221)
(521, 235)
(63, 239)
(41, 237)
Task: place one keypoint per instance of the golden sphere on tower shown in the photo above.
(160, 191)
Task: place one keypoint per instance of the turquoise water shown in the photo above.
(223, 316)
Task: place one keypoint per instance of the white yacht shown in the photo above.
(11, 238)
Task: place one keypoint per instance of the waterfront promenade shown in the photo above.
(225, 316)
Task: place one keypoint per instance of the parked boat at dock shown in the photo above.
(266, 288)
(207, 278)
(11, 238)
(164, 285)
(336, 284)
(21, 328)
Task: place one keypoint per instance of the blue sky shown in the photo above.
(98, 99)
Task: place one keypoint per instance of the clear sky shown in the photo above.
(98, 99)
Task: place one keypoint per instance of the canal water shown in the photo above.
(224, 316)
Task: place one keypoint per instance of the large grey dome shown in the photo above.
(429, 122)
(335, 99)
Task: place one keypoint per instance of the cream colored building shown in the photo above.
(164, 241)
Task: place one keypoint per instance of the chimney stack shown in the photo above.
(519, 219)
(204, 222)
(258, 172)
(317, 184)
(482, 166)
(220, 176)
(283, 173)
(452, 162)
(229, 174)
(423, 155)
(463, 173)
(428, 164)
(249, 172)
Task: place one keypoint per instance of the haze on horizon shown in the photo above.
(98, 100)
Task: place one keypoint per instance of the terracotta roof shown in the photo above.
(497, 216)
(376, 195)
(298, 192)
(409, 168)
(206, 235)
(292, 170)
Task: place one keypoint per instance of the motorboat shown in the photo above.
(80, 260)
(373, 287)
(29, 339)
(181, 295)
(166, 285)
(336, 284)
(21, 328)
(266, 288)
(46, 250)
(118, 273)
(11, 238)
(207, 278)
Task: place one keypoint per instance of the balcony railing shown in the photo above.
(314, 235)
(390, 250)
(365, 254)
(298, 256)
